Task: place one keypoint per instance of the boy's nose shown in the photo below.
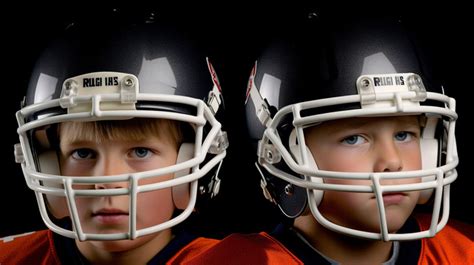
(109, 167)
(388, 157)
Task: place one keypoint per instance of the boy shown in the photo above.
(352, 131)
(119, 133)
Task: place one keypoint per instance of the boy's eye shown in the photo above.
(403, 136)
(141, 152)
(353, 139)
(82, 153)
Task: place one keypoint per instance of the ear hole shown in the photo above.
(181, 192)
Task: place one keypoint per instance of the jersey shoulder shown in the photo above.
(192, 250)
(255, 248)
(454, 244)
(29, 248)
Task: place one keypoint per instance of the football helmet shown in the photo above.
(121, 67)
(341, 68)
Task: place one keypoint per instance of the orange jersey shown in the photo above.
(30, 248)
(38, 248)
(452, 245)
(238, 249)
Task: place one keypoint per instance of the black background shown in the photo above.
(235, 33)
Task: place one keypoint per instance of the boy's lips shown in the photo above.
(110, 216)
(393, 198)
(109, 211)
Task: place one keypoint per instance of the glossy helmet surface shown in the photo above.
(120, 67)
(343, 68)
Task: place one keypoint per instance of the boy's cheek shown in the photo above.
(57, 206)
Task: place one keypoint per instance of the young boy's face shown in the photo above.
(82, 156)
(375, 144)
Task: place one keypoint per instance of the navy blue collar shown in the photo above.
(409, 250)
(69, 254)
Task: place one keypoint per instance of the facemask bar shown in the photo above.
(215, 143)
(442, 193)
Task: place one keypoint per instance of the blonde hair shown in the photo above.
(134, 129)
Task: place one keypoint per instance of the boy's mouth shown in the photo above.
(110, 216)
(393, 198)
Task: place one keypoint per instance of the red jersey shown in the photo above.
(238, 249)
(30, 248)
(452, 245)
(39, 248)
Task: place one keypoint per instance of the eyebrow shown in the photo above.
(74, 142)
